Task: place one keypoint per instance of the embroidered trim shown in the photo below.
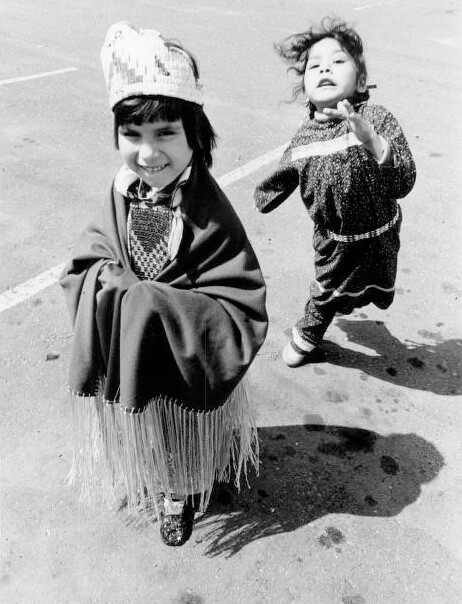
(369, 234)
(149, 227)
(337, 294)
(127, 177)
(341, 143)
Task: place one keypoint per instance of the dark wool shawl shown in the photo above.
(191, 333)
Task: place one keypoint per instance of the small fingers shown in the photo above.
(321, 117)
(334, 113)
(344, 111)
(346, 107)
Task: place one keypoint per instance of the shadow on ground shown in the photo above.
(434, 367)
(313, 470)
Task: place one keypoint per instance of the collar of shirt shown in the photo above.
(130, 185)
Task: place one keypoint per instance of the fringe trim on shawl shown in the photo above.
(166, 449)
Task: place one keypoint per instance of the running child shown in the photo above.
(352, 162)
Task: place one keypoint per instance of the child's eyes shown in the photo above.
(134, 134)
(129, 133)
(316, 65)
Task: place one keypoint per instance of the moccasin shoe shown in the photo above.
(177, 522)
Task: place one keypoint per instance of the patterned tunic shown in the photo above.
(352, 200)
(148, 227)
(149, 224)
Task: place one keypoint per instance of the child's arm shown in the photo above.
(277, 187)
(373, 142)
(398, 173)
(386, 143)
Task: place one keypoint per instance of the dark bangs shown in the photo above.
(136, 110)
(199, 132)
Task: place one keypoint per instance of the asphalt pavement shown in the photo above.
(358, 500)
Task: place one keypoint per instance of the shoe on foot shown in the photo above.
(177, 522)
(297, 350)
(292, 357)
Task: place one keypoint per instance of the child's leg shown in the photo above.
(308, 332)
(314, 323)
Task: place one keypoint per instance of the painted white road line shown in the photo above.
(36, 76)
(251, 166)
(376, 5)
(20, 293)
(452, 42)
(15, 295)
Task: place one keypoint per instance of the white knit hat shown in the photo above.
(138, 62)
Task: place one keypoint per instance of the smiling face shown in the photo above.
(330, 75)
(157, 152)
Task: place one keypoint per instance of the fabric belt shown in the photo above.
(369, 234)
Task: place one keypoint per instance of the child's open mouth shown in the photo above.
(152, 169)
(325, 83)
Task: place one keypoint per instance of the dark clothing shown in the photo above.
(352, 200)
(189, 334)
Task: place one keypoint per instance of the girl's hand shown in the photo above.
(361, 129)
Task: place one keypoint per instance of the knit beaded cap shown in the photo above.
(139, 62)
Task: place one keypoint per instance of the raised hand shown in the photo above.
(361, 129)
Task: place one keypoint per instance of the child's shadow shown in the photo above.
(433, 367)
(313, 470)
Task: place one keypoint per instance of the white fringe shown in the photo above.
(164, 450)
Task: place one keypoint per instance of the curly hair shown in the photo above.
(295, 50)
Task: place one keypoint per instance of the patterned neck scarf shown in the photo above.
(151, 218)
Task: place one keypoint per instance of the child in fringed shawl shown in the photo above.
(351, 162)
(167, 301)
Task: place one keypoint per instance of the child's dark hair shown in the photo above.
(296, 49)
(199, 131)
